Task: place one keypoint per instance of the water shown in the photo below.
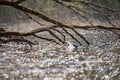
(99, 61)
(58, 64)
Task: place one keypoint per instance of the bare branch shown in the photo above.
(16, 40)
(81, 37)
(76, 10)
(93, 4)
(19, 1)
(54, 35)
(29, 10)
(60, 33)
(56, 23)
(47, 39)
(71, 36)
(30, 17)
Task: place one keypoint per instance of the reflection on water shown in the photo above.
(99, 61)
(57, 64)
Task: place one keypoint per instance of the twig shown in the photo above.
(60, 33)
(81, 36)
(72, 36)
(30, 17)
(47, 39)
(54, 35)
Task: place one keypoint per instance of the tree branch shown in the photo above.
(19, 1)
(56, 23)
(72, 36)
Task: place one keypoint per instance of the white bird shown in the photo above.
(67, 46)
(70, 47)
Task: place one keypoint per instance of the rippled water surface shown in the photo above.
(55, 63)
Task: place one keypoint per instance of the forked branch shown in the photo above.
(56, 23)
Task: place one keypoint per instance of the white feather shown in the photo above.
(70, 46)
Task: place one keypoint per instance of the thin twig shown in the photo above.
(72, 36)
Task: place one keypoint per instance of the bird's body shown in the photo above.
(70, 46)
(67, 46)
